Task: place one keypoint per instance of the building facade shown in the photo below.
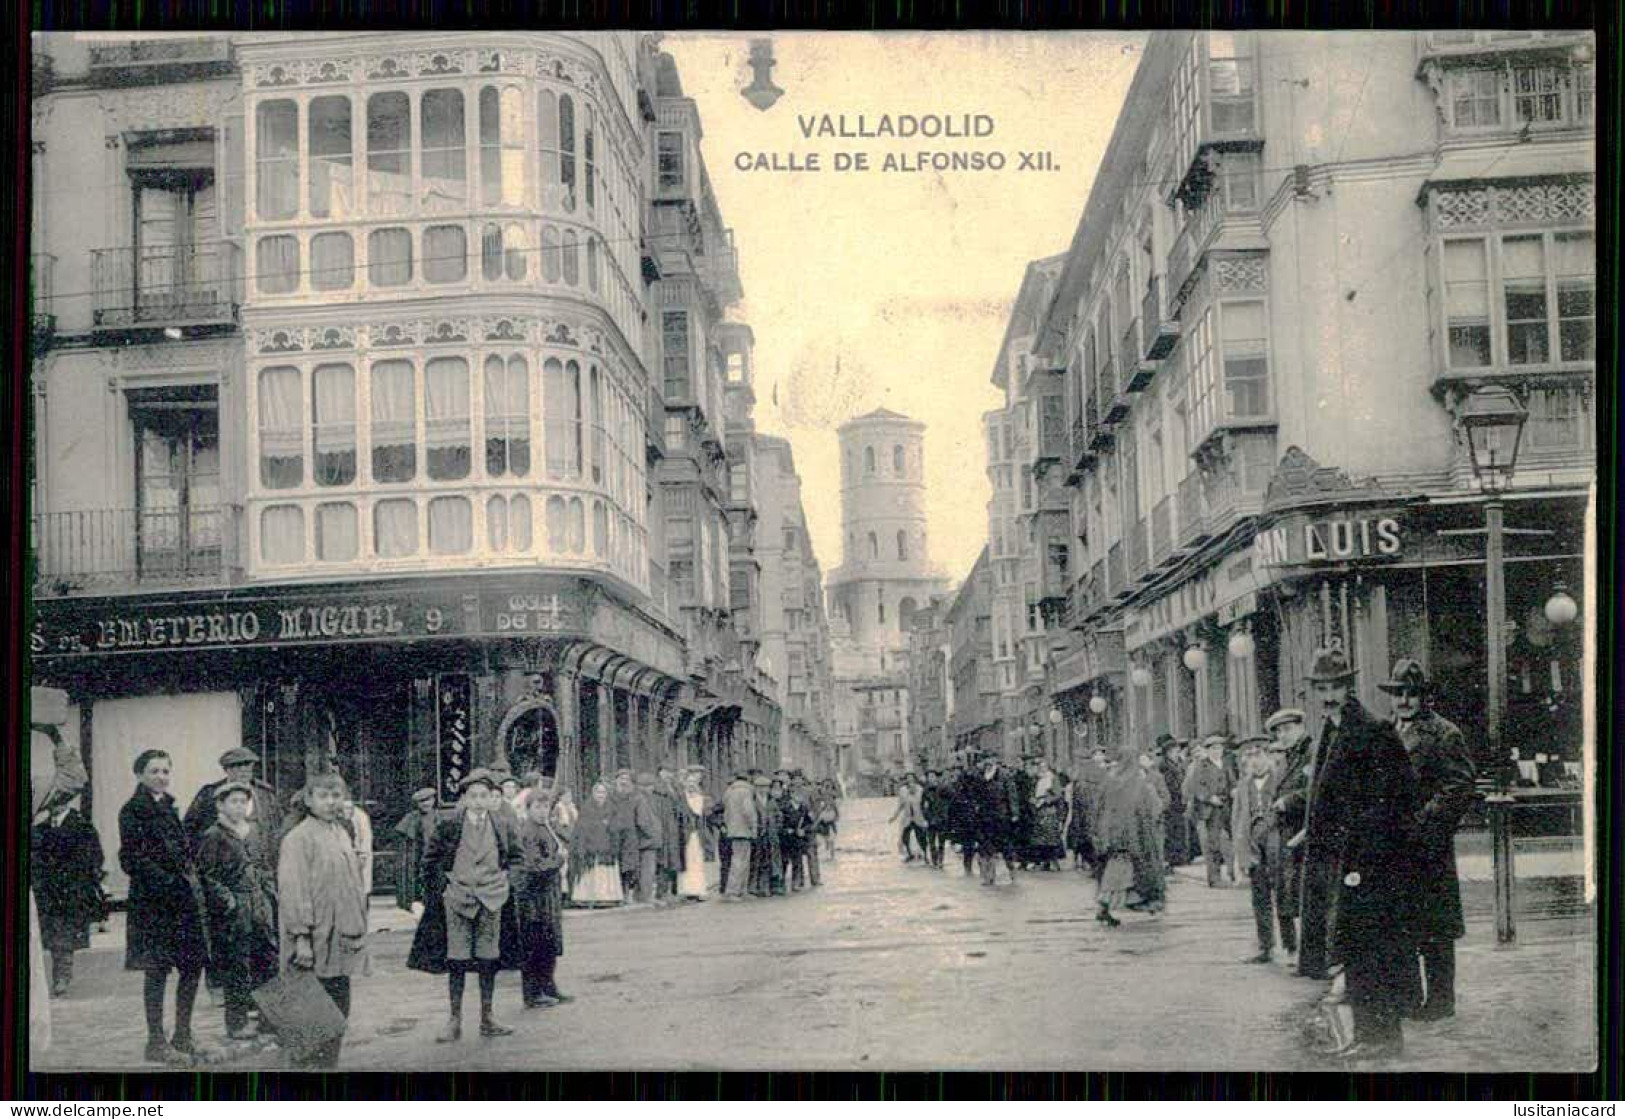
(1303, 256)
(380, 413)
(930, 691)
(975, 719)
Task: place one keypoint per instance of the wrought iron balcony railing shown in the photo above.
(1159, 327)
(161, 286)
(100, 550)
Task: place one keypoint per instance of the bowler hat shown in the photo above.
(1408, 675)
(425, 796)
(1330, 666)
(1283, 716)
(481, 776)
(238, 755)
(226, 788)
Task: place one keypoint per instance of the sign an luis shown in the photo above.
(1302, 541)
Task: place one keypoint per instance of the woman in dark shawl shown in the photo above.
(1127, 834)
(595, 852)
(540, 901)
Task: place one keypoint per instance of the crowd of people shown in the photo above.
(242, 889)
(1346, 843)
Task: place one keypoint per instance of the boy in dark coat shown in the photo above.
(468, 922)
(414, 831)
(540, 902)
(795, 832)
(1206, 793)
(66, 874)
(241, 896)
(767, 871)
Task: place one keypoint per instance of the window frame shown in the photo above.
(1492, 238)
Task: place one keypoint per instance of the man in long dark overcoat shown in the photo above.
(1362, 821)
(998, 818)
(1444, 775)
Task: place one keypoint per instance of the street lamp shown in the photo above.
(1491, 420)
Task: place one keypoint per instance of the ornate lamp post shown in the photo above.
(1491, 420)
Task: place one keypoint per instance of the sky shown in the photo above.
(906, 277)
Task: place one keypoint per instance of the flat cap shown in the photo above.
(481, 776)
(238, 755)
(425, 796)
(1283, 716)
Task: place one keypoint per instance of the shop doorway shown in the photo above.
(531, 740)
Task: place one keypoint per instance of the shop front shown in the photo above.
(1089, 692)
(397, 685)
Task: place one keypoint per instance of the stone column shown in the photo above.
(566, 701)
(608, 757)
(636, 753)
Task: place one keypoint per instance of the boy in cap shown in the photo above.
(263, 810)
(414, 831)
(469, 922)
(240, 895)
(1256, 839)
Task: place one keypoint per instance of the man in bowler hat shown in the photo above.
(1360, 823)
(1444, 775)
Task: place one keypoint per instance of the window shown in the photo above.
(277, 264)
(331, 164)
(1575, 262)
(1466, 304)
(1238, 176)
(502, 147)
(589, 155)
(1230, 81)
(567, 151)
(738, 483)
(1246, 359)
(507, 523)
(389, 154)
(1523, 285)
(738, 589)
(451, 523)
(395, 528)
(570, 254)
(503, 251)
(507, 416)
(282, 441)
(446, 420)
(276, 150)
(389, 257)
(337, 532)
(595, 442)
(669, 159)
(332, 427)
(898, 463)
(332, 261)
(1204, 389)
(1558, 420)
(674, 336)
(1475, 98)
(394, 423)
(445, 254)
(1521, 95)
(552, 255)
(444, 181)
(561, 409)
(868, 460)
(282, 534)
(902, 545)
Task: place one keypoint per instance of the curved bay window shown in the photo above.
(502, 146)
(332, 398)
(447, 429)
(394, 422)
(282, 443)
(276, 159)
(561, 411)
(332, 186)
(389, 153)
(507, 416)
(443, 184)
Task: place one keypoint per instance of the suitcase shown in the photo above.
(299, 1009)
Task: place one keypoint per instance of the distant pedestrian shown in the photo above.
(1085, 801)
(412, 839)
(1296, 752)
(166, 929)
(320, 911)
(469, 923)
(998, 818)
(623, 802)
(1047, 846)
(66, 874)
(242, 906)
(361, 828)
(1257, 845)
(650, 818)
(767, 871)
(699, 843)
(1127, 835)
(811, 802)
(740, 827)
(1176, 829)
(595, 853)
(936, 800)
(963, 821)
(540, 902)
(795, 832)
(909, 815)
(1444, 777)
(829, 817)
(1206, 793)
(673, 832)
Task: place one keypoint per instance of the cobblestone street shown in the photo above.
(899, 967)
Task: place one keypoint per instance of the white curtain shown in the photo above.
(282, 534)
(277, 264)
(395, 528)
(337, 533)
(193, 729)
(389, 257)
(519, 536)
(496, 524)
(446, 402)
(394, 405)
(332, 261)
(281, 435)
(451, 526)
(333, 389)
(445, 254)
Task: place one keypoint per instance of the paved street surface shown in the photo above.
(900, 967)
